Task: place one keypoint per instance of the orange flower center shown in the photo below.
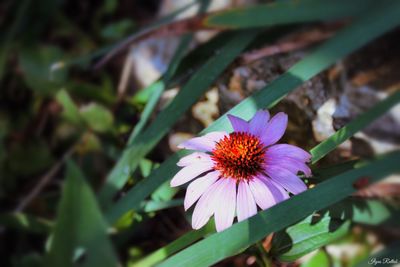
(239, 155)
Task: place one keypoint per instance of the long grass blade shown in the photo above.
(368, 27)
(285, 12)
(187, 96)
(173, 247)
(356, 125)
(241, 235)
(80, 229)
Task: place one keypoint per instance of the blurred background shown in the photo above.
(59, 101)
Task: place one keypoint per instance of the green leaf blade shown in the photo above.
(80, 226)
(368, 27)
(356, 125)
(236, 238)
(187, 96)
(285, 12)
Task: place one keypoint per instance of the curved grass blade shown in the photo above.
(187, 96)
(183, 241)
(285, 12)
(160, 85)
(241, 235)
(370, 212)
(80, 227)
(368, 27)
(159, 88)
(144, 188)
(151, 206)
(153, 134)
(377, 21)
(256, 16)
(356, 125)
(156, 88)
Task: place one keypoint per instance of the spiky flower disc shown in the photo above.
(238, 155)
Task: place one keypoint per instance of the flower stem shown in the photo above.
(264, 255)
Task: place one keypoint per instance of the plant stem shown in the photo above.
(264, 255)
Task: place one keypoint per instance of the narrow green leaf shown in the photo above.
(159, 87)
(154, 133)
(146, 166)
(368, 27)
(164, 192)
(187, 96)
(241, 235)
(197, 57)
(156, 89)
(144, 188)
(151, 206)
(79, 227)
(183, 241)
(118, 29)
(306, 236)
(356, 125)
(377, 21)
(286, 12)
(371, 212)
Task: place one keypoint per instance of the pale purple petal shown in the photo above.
(190, 172)
(277, 191)
(198, 187)
(246, 206)
(238, 124)
(225, 204)
(259, 122)
(205, 207)
(261, 193)
(290, 164)
(287, 150)
(203, 143)
(275, 129)
(195, 157)
(286, 179)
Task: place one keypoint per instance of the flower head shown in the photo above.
(234, 173)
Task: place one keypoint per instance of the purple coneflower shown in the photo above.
(236, 172)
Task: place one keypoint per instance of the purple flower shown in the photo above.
(234, 173)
